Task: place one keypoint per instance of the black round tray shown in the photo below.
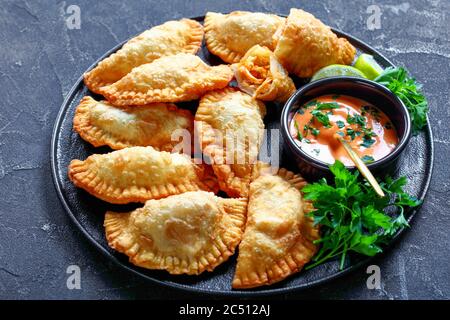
(87, 212)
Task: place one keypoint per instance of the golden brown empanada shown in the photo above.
(230, 128)
(261, 75)
(176, 78)
(120, 127)
(187, 233)
(229, 36)
(138, 174)
(305, 45)
(172, 37)
(278, 237)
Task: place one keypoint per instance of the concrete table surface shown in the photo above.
(41, 57)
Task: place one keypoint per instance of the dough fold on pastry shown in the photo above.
(138, 174)
(172, 37)
(183, 234)
(261, 75)
(278, 237)
(181, 77)
(305, 45)
(230, 128)
(229, 36)
(100, 123)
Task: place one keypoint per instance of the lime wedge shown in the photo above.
(367, 64)
(336, 70)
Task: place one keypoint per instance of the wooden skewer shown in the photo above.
(362, 168)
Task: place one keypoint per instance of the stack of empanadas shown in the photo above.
(183, 226)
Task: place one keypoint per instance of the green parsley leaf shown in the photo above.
(299, 134)
(327, 105)
(314, 131)
(321, 117)
(353, 218)
(357, 119)
(351, 133)
(367, 159)
(367, 141)
(409, 91)
(365, 244)
(340, 124)
(311, 103)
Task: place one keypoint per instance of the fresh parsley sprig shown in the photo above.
(409, 91)
(352, 217)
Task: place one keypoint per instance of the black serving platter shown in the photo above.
(87, 212)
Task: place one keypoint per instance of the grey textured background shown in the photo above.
(40, 59)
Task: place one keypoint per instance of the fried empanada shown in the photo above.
(278, 237)
(187, 233)
(262, 76)
(176, 78)
(172, 37)
(138, 174)
(230, 128)
(229, 36)
(101, 124)
(305, 45)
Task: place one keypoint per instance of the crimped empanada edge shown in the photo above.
(97, 137)
(290, 30)
(116, 224)
(290, 264)
(83, 177)
(185, 92)
(91, 133)
(94, 83)
(234, 186)
(223, 246)
(213, 45)
(294, 261)
(196, 37)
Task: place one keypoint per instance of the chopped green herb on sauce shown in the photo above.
(367, 141)
(327, 105)
(367, 159)
(323, 119)
(340, 124)
(299, 134)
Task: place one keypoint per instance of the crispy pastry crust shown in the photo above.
(138, 174)
(305, 45)
(278, 238)
(181, 77)
(229, 36)
(226, 114)
(172, 37)
(183, 234)
(261, 75)
(100, 123)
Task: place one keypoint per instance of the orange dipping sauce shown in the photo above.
(317, 125)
